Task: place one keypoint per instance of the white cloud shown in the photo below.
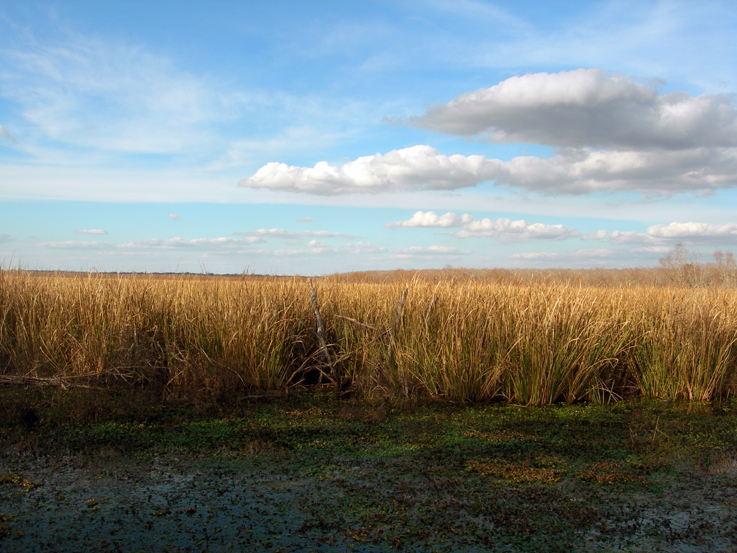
(594, 235)
(316, 244)
(571, 171)
(290, 235)
(174, 216)
(415, 168)
(656, 237)
(677, 231)
(506, 230)
(580, 171)
(91, 231)
(535, 255)
(572, 255)
(587, 108)
(652, 249)
(632, 237)
(109, 95)
(357, 248)
(74, 245)
(171, 243)
(427, 252)
(304, 220)
(431, 219)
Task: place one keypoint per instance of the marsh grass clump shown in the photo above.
(460, 338)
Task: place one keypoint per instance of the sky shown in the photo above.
(319, 137)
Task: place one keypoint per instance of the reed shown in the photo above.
(458, 338)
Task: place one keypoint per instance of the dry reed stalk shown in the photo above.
(463, 339)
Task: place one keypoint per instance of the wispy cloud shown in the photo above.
(75, 245)
(427, 252)
(579, 254)
(291, 235)
(6, 238)
(174, 216)
(170, 243)
(91, 231)
(652, 249)
(157, 243)
(109, 95)
(316, 248)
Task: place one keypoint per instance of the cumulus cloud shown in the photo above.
(680, 231)
(304, 220)
(174, 216)
(415, 168)
(291, 235)
(594, 235)
(432, 219)
(580, 171)
(506, 230)
(658, 236)
(587, 108)
(570, 171)
(609, 133)
(91, 231)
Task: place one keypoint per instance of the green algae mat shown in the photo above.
(319, 473)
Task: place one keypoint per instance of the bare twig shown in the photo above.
(320, 327)
(356, 322)
(397, 321)
(400, 308)
(432, 303)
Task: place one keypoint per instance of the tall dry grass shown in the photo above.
(527, 343)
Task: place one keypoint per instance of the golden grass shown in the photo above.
(528, 343)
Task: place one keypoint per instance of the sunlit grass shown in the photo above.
(525, 343)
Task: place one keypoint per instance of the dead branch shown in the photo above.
(320, 328)
(400, 308)
(357, 322)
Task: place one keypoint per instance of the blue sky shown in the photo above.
(315, 137)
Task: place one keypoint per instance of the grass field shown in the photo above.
(460, 337)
